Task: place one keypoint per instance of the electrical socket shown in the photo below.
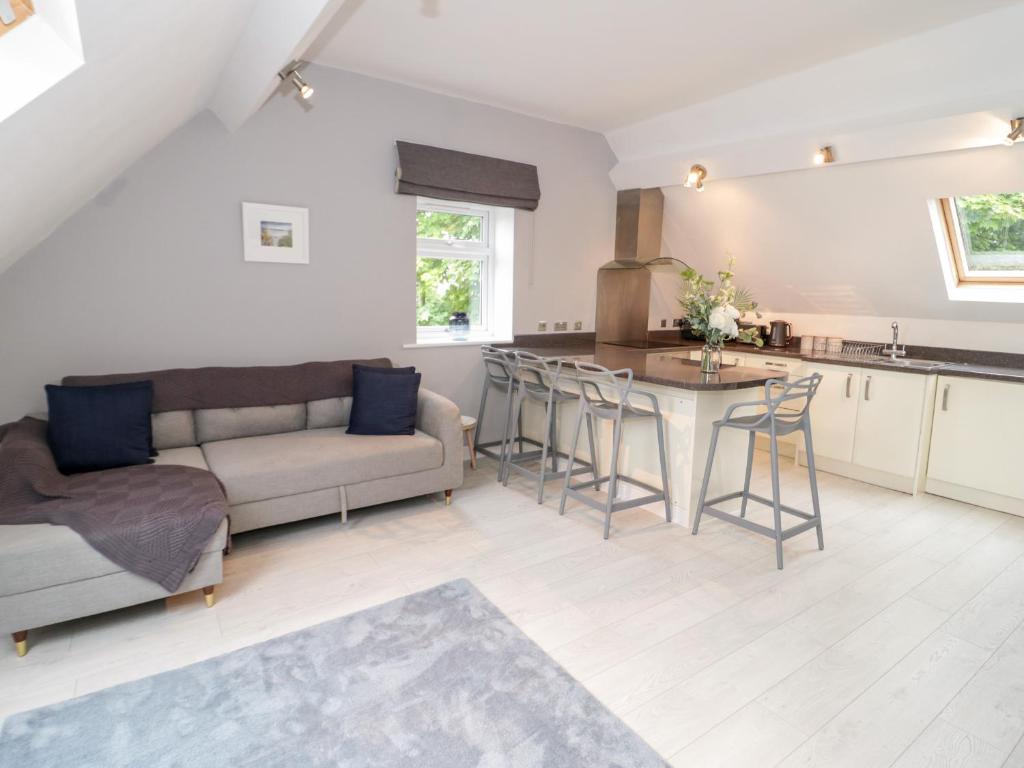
(677, 322)
(562, 325)
(664, 323)
(542, 325)
(578, 325)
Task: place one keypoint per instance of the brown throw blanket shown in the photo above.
(185, 389)
(151, 520)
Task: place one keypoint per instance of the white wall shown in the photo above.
(150, 273)
(845, 250)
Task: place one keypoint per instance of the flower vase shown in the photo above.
(710, 358)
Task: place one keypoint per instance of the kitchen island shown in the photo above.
(690, 402)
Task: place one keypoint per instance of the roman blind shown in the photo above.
(450, 175)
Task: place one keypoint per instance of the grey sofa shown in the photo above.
(278, 457)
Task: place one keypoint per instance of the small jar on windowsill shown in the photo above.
(458, 326)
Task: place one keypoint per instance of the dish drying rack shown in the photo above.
(857, 350)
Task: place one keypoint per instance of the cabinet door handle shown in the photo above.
(945, 398)
(867, 389)
(849, 382)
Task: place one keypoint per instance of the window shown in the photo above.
(457, 266)
(985, 234)
(13, 12)
(39, 40)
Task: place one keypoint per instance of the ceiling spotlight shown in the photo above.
(1016, 131)
(823, 156)
(695, 178)
(291, 73)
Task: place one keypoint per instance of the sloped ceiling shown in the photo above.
(149, 67)
(603, 64)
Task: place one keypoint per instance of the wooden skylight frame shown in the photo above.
(954, 238)
(23, 9)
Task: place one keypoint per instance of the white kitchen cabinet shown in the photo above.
(871, 424)
(890, 416)
(791, 366)
(975, 442)
(834, 411)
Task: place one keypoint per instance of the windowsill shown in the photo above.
(992, 293)
(471, 342)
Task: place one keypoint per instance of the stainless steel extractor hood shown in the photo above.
(638, 215)
(624, 284)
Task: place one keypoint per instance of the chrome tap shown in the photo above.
(895, 350)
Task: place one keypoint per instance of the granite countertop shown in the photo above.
(660, 368)
(970, 365)
(974, 370)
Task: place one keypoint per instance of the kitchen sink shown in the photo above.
(915, 363)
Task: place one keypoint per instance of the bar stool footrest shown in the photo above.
(809, 521)
(515, 464)
(621, 479)
(575, 491)
(760, 500)
(484, 449)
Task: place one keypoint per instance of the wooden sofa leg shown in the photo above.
(20, 642)
(448, 497)
(208, 594)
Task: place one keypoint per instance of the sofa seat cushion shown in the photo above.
(269, 466)
(40, 556)
(184, 457)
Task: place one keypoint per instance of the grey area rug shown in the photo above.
(436, 679)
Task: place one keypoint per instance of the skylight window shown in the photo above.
(13, 13)
(38, 49)
(981, 239)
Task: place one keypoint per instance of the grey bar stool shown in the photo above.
(774, 423)
(540, 380)
(607, 395)
(499, 374)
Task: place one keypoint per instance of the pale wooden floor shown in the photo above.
(901, 644)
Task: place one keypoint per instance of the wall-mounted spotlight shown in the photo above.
(291, 73)
(823, 156)
(1016, 131)
(695, 178)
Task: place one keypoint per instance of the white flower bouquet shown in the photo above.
(714, 311)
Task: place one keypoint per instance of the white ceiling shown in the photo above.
(602, 64)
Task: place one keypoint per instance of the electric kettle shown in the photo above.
(781, 334)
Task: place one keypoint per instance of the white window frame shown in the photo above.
(482, 251)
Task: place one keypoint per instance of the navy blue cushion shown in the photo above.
(100, 427)
(383, 400)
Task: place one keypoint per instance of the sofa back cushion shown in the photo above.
(213, 424)
(174, 429)
(330, 412)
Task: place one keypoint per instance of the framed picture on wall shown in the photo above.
(276, 233)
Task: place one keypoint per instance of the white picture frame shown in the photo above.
(275, 233)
